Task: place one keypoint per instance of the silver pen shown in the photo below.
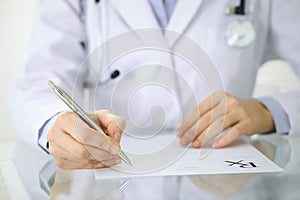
(82, 114)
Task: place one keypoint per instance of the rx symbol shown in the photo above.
(242, 164)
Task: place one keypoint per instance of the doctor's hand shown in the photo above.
(74, 145)
(219, 112)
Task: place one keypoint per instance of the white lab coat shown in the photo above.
(54, 53)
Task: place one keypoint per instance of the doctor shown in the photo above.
(237, 37)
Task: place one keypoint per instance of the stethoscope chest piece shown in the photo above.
(240, 33)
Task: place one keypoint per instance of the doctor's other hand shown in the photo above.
(221, 111)
(74, 145)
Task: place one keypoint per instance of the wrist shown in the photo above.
(266, 122)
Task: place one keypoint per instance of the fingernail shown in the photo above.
(117, 136)
(216, 144)
(184, 141)
(196, 143)
(118, 161)
(114, 150)
(179, 132)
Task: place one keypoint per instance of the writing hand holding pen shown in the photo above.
(75, 144)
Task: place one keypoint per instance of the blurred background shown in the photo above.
(15, 26)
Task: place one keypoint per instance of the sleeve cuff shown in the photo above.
(42, 140)
(280, 117)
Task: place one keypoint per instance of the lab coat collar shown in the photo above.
(181, 18)
(138, 14)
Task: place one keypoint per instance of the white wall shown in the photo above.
(15, 25)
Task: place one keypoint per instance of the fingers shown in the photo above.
(245, 126)
(233, 134)
(69, 164)
(83, 159)
(219, 112)
(205, 106)
(81, 132)
(66, 160)
(219, 125)
(202, 124)
(74, 145)
(61, 153)
(65, 146)
(113, 125)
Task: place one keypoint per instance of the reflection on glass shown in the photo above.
(42, 179)
(81, 184)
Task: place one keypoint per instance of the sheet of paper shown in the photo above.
(163, 156)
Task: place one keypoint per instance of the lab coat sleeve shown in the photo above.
(280, 117)
(53, 53)
(284, 43)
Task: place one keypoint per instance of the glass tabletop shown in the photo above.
(36, 176)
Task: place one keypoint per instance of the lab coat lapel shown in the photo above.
(180, 19)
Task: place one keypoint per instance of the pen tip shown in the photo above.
(128, 162)
(123, 156)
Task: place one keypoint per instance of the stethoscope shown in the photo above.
(239, 32)
(84, 43)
